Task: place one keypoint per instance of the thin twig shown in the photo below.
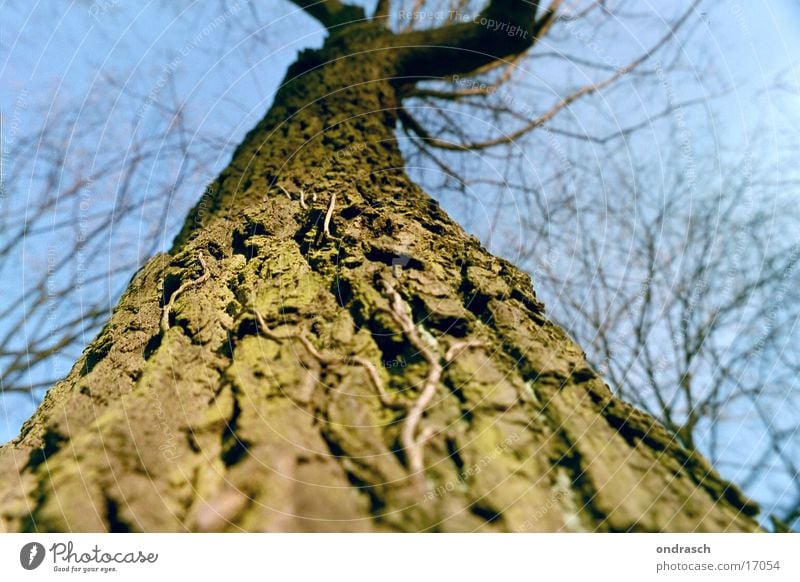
(302, 196)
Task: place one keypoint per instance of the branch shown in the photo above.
(328, 359)
(602, 140)
(505, 29)
(479, 89)
(326, 226)
(331, 13)
(415, 126)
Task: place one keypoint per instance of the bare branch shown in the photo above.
(184, 286)
(418, 4)
(558, 107)
(506, 28)
(480, 89)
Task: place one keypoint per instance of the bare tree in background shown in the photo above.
(86, 206)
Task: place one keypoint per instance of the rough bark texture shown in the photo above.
(236, 386)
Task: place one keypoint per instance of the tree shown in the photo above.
(324, 349)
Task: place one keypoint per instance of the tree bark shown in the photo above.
(323, 349)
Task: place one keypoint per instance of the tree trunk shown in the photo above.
(325, 350)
